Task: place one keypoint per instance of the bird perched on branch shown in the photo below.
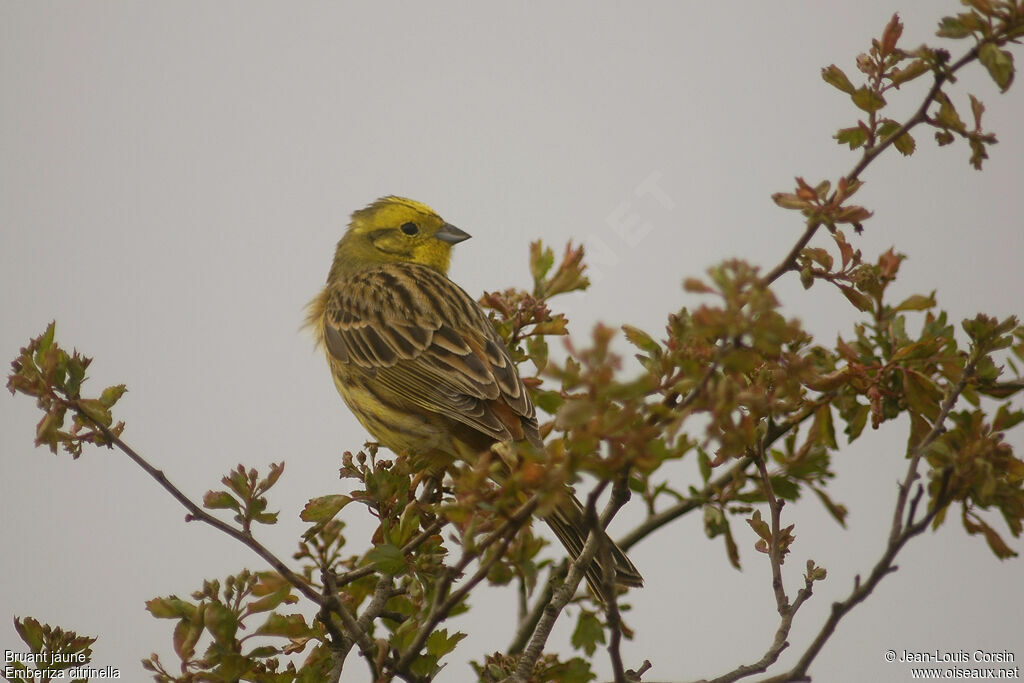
(418, 362)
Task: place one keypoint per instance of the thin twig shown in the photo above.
(870, 154)
(614, 619)
(529, 623)
(915, 455)
(660, 519)
(353, 632)
(442, 606)
(338, 643)
(862, 590)
(900, 533)
(774, 551)
(563, 594)
(416, 541)
(197, 513)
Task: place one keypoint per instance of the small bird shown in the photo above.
(418, 362)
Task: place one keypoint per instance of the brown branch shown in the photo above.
(354, 632)
(786, 610)
(861, 591)
(774, 551)
(612, 612)
(197, 513)
(915, 455)
(529, 622)
(660, 519)
(779, 642)
(870, 154)
(563, 594)
(503, 536)
(673, 512)
(415, 542)
(900, 533)
(342, 642)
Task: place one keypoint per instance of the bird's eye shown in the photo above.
(410, 228)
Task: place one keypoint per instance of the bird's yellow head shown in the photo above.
(395, 229)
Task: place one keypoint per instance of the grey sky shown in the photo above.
(173, 178)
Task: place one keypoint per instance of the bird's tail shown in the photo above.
(566, 520)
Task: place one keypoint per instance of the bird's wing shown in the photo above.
(419, 334)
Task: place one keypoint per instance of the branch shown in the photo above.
(614, 618)
(564, 593)
(861, 591)
(416, 541)
(898, 537)
(779, 643)
(197, 513)
(503, 536)
(915, 455)
(529, 622)
(342, 642)
(870, 154)
(354, 631)
(775, 553)
(660, 519)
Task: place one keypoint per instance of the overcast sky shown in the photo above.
(173, 179)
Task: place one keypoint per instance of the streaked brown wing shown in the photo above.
(423, 337)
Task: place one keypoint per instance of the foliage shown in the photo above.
(732, 385)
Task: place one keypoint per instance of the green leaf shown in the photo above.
(947, 115)
(824, 427)
(641, 340)
(867, 99)
(575, 413)
(859, 299)
(1006, 418)
(29, 629)
(324, 508)
(548, 401)
(975, 525)
(854, 137)
(286, 626)
(922, 395)
(835, 77)
(95, 411)
(785, 487)
(269, 602)
(589, 633)
(541, 260)
(387, 558)
(537, 350)
(219, 500)
(576, 670)
(111, 395)
(917, 302)
(759, 526)
(909, 73)
(905, 144)
(221, 622)
(857, 420)
(186, 634)
(819, 256)
(837, 510)
(999, 64)
(704, 464)
(439, 643)
(170, 608)
(953, 27)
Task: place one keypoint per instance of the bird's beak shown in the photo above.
(452, 235)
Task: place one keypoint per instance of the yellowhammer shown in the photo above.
(417, 360)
